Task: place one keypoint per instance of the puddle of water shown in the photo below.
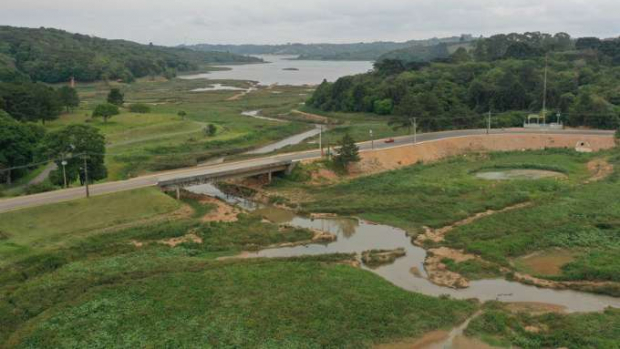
(519, 174)
(219, 87)
(356, 236)
(256, 114)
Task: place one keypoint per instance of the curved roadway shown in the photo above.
(153, 179)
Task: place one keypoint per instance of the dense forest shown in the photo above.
(503, 74)
(357, 51)
(52, 55)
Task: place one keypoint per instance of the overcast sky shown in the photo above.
(172, 22)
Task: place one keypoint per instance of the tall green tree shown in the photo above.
(347, 153)
(18, 143)
(68, 98)
(30, 102)
(116, 97)
(105, 111)
(72, 143)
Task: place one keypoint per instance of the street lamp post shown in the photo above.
(372, 141)
(86, 176)
(64, 172)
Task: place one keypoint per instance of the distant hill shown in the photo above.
(355, 51)
(426, 53)
(52, 55)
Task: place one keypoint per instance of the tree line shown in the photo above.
(52, 55)
(502, 74)
(24, 141)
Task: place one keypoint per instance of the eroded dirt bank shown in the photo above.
(375, 161)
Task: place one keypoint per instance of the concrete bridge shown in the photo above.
(210, 176)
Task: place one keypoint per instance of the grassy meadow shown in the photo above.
(124, 287)
(571, 214)
(161, 140)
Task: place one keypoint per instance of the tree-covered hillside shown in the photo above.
(503, 74)
(52, 55)
(356, 51)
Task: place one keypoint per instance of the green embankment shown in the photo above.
(500, 327)
(37, 229)
(123, 287)
(571, 214)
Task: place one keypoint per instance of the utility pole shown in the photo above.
(414, 123)
(489, 123)
(544, 106)
(86, 175)
(64, 171)
(321, 139)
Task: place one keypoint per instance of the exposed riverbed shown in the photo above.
(356, 236)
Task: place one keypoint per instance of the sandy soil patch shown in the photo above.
(375, 258)
(312, 117)
(375, 161)
(438, 272)
(548, 262)
(434, 337)
(324, 176)
(599, 170)
(534, 308)
(438, 235)
(191, 237)
(222, 213)
(463, 342)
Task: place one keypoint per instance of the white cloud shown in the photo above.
(278, 21)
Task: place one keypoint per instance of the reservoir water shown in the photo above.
(277, 70)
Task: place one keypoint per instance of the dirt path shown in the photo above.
(599, 170)
(312, 117)
(242, 93)
(438, 235)
(222, 213)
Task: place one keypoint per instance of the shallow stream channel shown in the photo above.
(356, 236)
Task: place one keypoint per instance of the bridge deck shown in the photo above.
(223, 174)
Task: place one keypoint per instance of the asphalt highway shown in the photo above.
(153, 179)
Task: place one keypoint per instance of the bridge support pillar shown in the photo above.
(178, 192)
(290, 168)
(269, 177)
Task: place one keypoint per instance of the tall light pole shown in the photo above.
(321, 139)
(64, 172)
(489, 122)
(414, 124)
(372, 141)
(86, 175)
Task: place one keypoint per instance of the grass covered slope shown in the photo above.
(127, 287)
(279, 304)
(441, 193)
(501, 327)
(37, 229)
(161, 140)
(566, 228)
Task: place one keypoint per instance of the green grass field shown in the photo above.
(441, 193)
(102, 290)
(160, 140)
(503, 328)
(40, 228)
(579, 218)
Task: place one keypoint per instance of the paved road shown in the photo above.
(151, 180)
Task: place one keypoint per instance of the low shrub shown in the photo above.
(140, 108)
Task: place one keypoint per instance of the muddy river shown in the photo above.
(356, 236)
